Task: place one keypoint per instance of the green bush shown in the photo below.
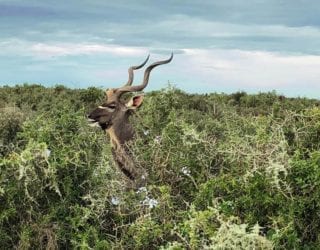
(11, 119)
(224, 171)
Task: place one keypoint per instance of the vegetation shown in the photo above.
(232, 171)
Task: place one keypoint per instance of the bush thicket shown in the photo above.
(225, 171)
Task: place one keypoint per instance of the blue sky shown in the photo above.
(219, 45)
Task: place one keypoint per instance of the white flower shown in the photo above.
(142, 190)
(145, 132)
(115, 201)
(150, 202)
(157, 139)
(46, 153)
(186, 171)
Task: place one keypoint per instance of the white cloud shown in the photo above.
(255, 70)
(195, 26)
(195, 70)
(80, 49)
(44, 50)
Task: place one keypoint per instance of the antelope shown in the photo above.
(113, 117)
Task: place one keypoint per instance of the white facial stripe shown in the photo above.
(107, 108)
(96, 124)
(101, 107)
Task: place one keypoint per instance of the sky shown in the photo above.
(218, 45)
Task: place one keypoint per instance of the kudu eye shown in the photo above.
(112, 106)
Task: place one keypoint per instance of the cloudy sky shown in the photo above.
(219, 45)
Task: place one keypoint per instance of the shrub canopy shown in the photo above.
(225, 171)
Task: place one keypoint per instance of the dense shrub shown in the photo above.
(11, 119)
(225, 171)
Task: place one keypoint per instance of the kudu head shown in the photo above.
(113, 114)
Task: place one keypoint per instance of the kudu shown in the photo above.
(113, 117)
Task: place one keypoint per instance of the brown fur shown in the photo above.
(113, 117)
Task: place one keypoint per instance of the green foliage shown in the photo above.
(11, 119)
(224, 171)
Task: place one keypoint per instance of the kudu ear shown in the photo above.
(135, 102)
